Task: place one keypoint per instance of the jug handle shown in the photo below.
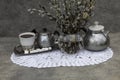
(36, 44)
(105, 33)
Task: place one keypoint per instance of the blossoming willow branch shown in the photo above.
(70, 15)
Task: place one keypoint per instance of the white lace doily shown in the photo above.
(57, 59)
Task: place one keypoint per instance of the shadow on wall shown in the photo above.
(14, 18)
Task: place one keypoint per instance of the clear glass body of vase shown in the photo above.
(70, 43)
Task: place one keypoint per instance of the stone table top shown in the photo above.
(109, 70)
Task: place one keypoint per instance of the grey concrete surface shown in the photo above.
(109, 70)
(14, 18)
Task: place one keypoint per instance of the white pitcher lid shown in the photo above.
(96, 27)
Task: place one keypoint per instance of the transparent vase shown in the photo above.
(70, 43)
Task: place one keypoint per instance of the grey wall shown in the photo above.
(15, 19)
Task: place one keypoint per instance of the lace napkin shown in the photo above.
(58, 59)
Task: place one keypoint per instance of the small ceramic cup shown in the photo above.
(27, 40)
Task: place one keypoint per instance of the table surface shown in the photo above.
(109, 70)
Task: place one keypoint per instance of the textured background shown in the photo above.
(15, 19)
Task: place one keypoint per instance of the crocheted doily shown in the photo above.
(57, 59)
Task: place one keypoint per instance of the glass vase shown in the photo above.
(70, 43)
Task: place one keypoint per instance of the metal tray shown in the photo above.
(18, 50)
